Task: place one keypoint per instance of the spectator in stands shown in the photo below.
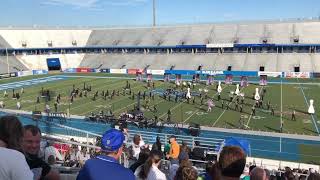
(198, 152)
(150, 170)
(313, 176)
(184, 152)
(136, 146)
(231, 162)
(174, 168)
(186, 173)
(215, 172)
(258, 174)
(13, 165)
(51, 150)
(174, 151)
(157, 145)
(31, 146)
(106, 166)
(288, 174)
(143, 156)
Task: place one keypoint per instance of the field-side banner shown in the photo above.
(241, 73)
(25, 73)
(297, 74)
(70, 70)
(132, 71)
(213, 73)
(155, 72)
(118, 71)
(269, 74)
(105, 70)
(36, 72)
(221, 45)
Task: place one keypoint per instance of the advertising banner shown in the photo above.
(212, 73)
(24, 73)
(221, 45)
(37, 72)
(270, 74)
(155, 72)
(118, 71)
(297, 74)
(105, 70)
(83, 70)
(241, 73)
(70, 70)
(132, 71)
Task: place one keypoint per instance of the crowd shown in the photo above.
(23, 156)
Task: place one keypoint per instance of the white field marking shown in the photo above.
(251, 112)
(201, 106)
(226, 109)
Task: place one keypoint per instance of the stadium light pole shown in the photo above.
(154, 13)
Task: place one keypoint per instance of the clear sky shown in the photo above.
(139, 12)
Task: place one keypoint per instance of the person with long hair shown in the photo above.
(13, 164)
(150, 170)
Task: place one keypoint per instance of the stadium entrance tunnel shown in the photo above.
(53, 64)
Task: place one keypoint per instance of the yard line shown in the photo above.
(251, 112)
(172, 109)
(201, 106)
(312, 116)
(225, 109)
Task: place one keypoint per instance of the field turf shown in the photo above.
(284, 98)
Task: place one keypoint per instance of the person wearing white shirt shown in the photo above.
(150, 170)
(137, 144)
(13, 164)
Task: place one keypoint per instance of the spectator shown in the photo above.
(137, 144)
(50, 150)
(174, 168)
(186, 173)
(215, 173)
(231, 162)
(31, 146)
(13, 165)
(106, 166)
(258, 174)
(313, 176)
(150, 171)
(198, 152)
(184, 151)
(174, 151)
(143, 156)
(157, 145)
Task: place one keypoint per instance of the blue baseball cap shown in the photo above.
(112, 140)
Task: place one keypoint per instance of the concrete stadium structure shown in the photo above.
(153, 47)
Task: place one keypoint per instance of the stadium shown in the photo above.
(253, 84)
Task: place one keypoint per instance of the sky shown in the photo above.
(139, 12)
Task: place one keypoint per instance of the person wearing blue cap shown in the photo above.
(106, 166)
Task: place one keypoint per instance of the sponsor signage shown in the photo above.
(213, 73)
(297, 74)
(155, 72)
(221, 45)
(270, 74)
(24, 73)
(37, 72)
(118, 71)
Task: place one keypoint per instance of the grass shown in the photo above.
(182, 112)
